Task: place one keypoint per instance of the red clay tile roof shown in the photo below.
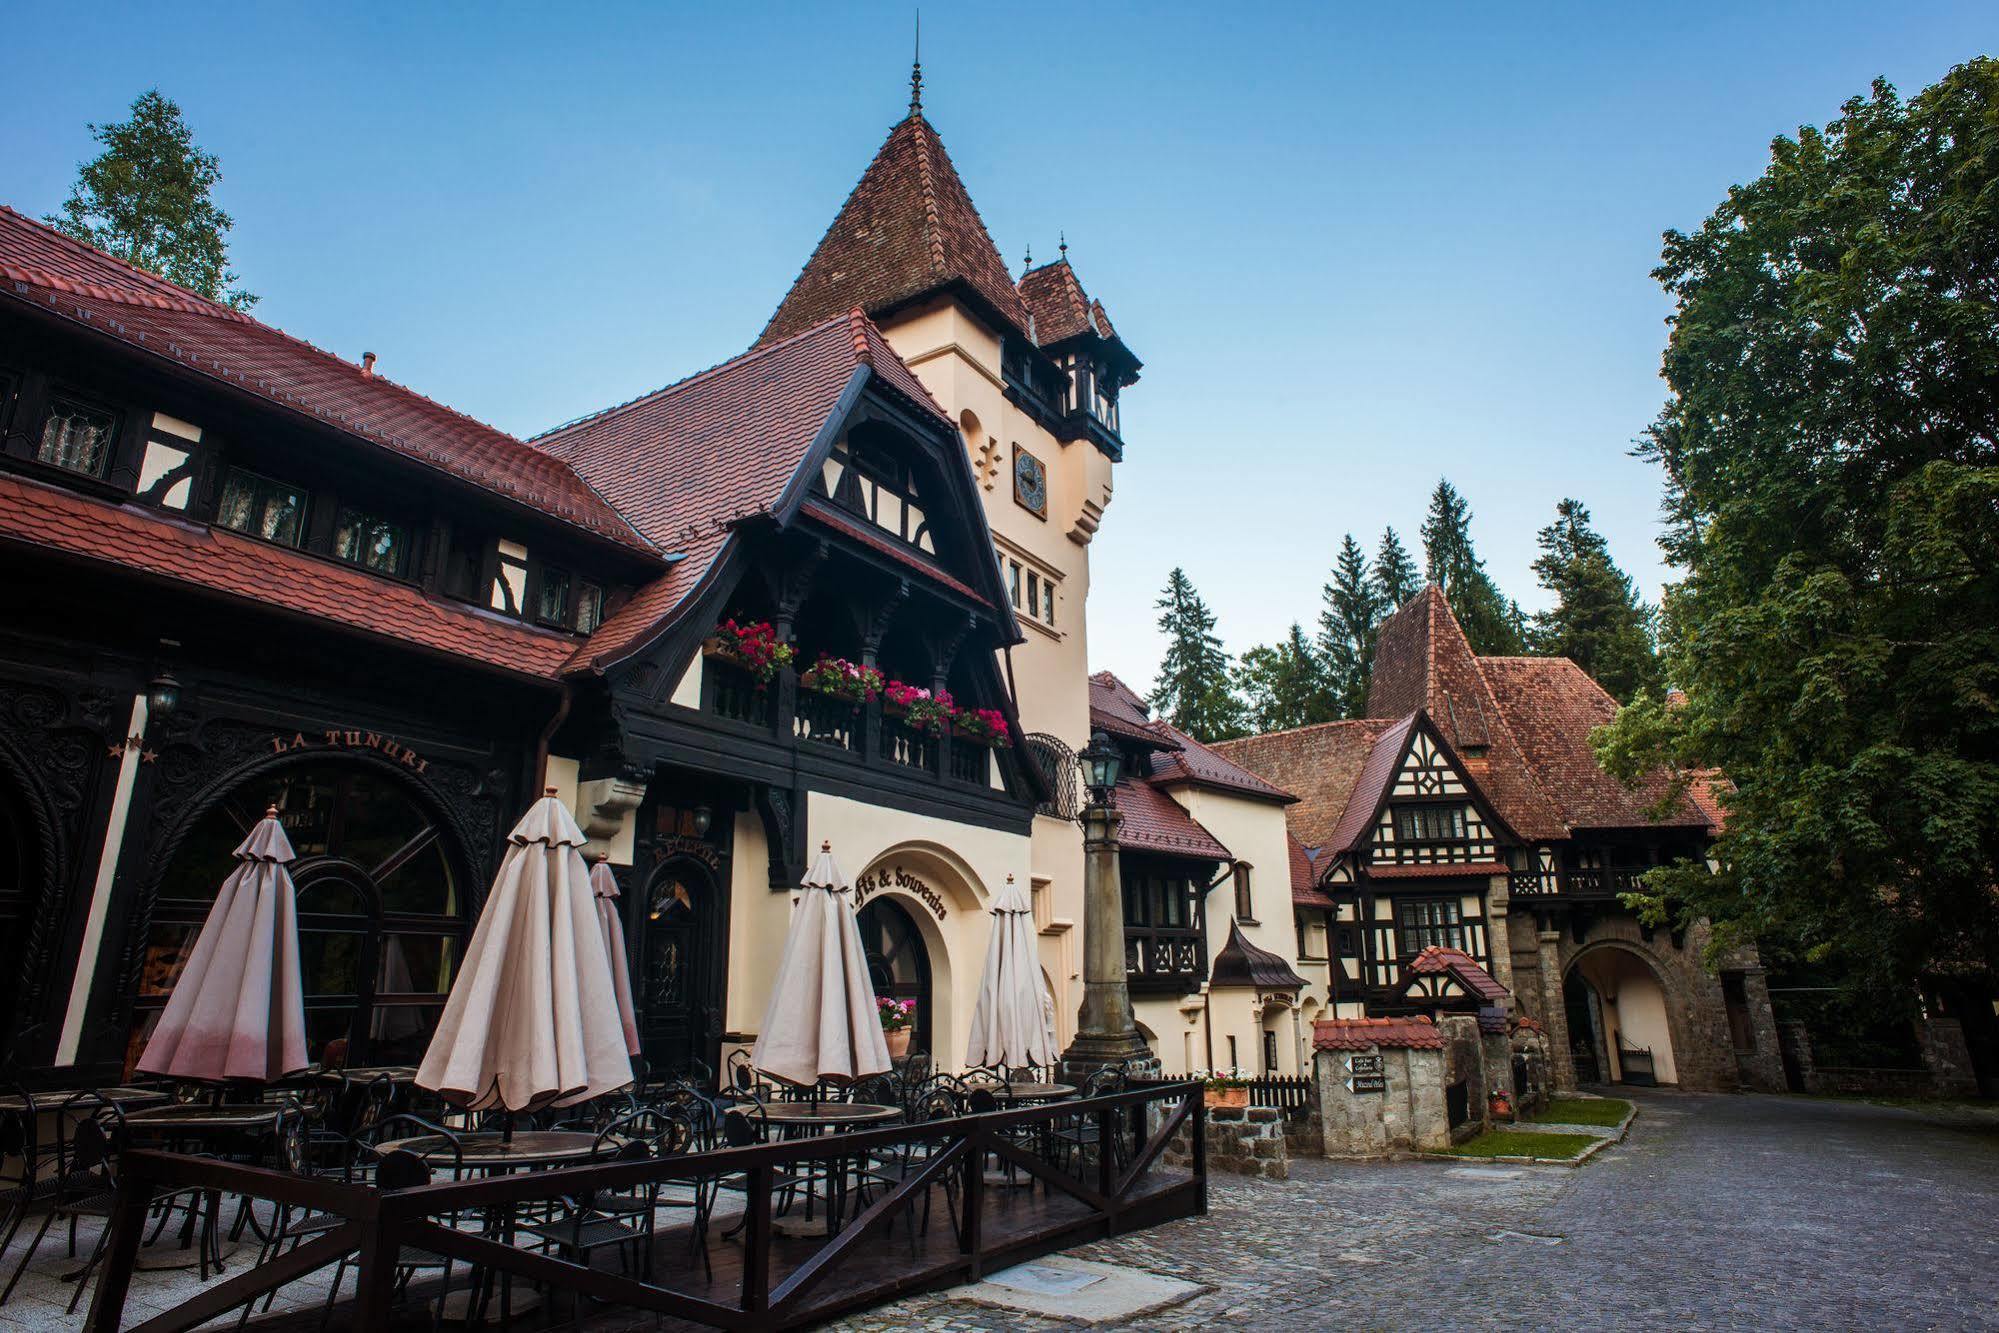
(1371, 787)
(908, 229)
(1439, 870)
(1319, 763)
(1414, 1033)
(1440, 959)
(1061, 308)
(1421, 660)
(1709, 791)
(1118, 709)
(1196, 764)
(51, 273)
(1242, 965)
(1305, 889)
(687, 462)
(1155, 822)
(221, 562)
(1549, 706)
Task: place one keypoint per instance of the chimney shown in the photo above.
(368, 363)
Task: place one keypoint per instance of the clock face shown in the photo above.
(1030, 483)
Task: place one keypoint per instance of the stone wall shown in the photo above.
(1242, 1140)
(1543, 951)
(1406, 1116)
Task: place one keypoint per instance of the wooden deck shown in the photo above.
(995, 1196)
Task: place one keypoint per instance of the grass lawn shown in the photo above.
(1606, 1111)
(1522, 1143)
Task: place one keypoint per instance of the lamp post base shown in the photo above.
(1092, 1051)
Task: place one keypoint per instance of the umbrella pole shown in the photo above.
(507, 1126)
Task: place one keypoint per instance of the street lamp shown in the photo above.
(1101, 764)
(162, 696)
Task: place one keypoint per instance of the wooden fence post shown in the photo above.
(1199, 1121)
(114, 1279)
(375, 1274)
(756, 1241)
(974, 1233)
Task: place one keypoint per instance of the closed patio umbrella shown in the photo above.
(532, 1020)
(237, 1010)
(822, 1022)
(1011, 1019)
(604, 887)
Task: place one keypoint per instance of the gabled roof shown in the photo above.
(211, 560)
(1319, 763)
(1118, 709)
(1550, 705)
(688, 462)
(1155, 822)
(1371, 786)
(83, 287)
(1441, 960)
(908, 229)
(1421, 660)
(1191, 763)
(1242, 965)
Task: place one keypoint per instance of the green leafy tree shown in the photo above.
(1832, 491)
(1491, 624)
(1347, 622)
(1282, 686)
(1192, 691)
(147, 199)
(1396, 579)
(1598, 619)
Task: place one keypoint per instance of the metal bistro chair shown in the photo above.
(1075, 1138)
(402, 1169)
(888, 1168)
(746, 1126)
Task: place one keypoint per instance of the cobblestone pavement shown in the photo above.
(1718, 1212)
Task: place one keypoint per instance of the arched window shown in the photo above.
(898, 961)
(380, 904)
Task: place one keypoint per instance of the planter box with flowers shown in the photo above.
(898, 1020)
(1224, 1087)
(919, 709)
(987, 726)
(837, 678)
(754, 647)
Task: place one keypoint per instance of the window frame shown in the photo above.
(1414, 935)
(1245, 902)
(298, 543)
(58, 393)
(1409, 818)
(343, 509)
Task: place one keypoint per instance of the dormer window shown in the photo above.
(167, 468)
(552, 602)
(260, 506)
(372, 542)
(77, 437)
(877, 486)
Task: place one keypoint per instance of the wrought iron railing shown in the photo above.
(1057, 763)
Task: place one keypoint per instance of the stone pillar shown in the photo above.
(1763, 1071)
(1106, 1032)
(1555, 1016)
(1499, 936)
(1948, 1056)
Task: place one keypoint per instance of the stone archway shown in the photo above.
(1626, 1019)
(939, 897)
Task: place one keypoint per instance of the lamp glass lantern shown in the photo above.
(1101, 763)
(162, 696)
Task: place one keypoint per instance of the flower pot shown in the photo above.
(898, 1043)
(1225, 1096)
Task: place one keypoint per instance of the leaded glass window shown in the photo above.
(77, 437)
(372, 542)
(1430, 921)
(262, 507)
(553, 598)
(589, 608)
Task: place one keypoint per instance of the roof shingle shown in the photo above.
(1155, 822)
(1415, 1033)
(1319, 763)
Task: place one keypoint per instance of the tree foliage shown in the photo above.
(1353, 609)
(1192, 691)
(1598, 619)
(147, 200)
(1282, 686)
(1832, 492)
(1396, 579)
(1491, 623)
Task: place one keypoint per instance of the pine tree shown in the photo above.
(1395, 577)
(1353, 609)
(1192, 691)
(1597, 620)
(145, 199)
(1281, 685)
(1491, 625)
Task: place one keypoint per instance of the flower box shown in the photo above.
(1225, 1097)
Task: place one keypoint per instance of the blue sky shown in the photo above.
(1357, 246)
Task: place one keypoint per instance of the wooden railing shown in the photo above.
(1291, 1094)
(907, 745)
(1109, 1180)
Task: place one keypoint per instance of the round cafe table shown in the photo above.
(486, 1150)
(803, 1119)
(1040, 1092)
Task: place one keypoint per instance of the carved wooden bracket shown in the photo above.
(782, 810)
(944, 648)
(873, 620)
(793, 583)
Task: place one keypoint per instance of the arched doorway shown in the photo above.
(1620, 1019)
(681, 972)
(899, 962)
(381, 907)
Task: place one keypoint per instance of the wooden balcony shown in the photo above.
(1169, 960)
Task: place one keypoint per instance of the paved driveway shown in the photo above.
(1719, 1212)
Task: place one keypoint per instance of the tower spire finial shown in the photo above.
(1065, 244)
(916, 71)
(1027, 260)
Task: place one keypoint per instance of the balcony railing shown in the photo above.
(736, 694)
(905, 745)
(971, 761)
(826, 720)
(1164, 959)
(1587, 883)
